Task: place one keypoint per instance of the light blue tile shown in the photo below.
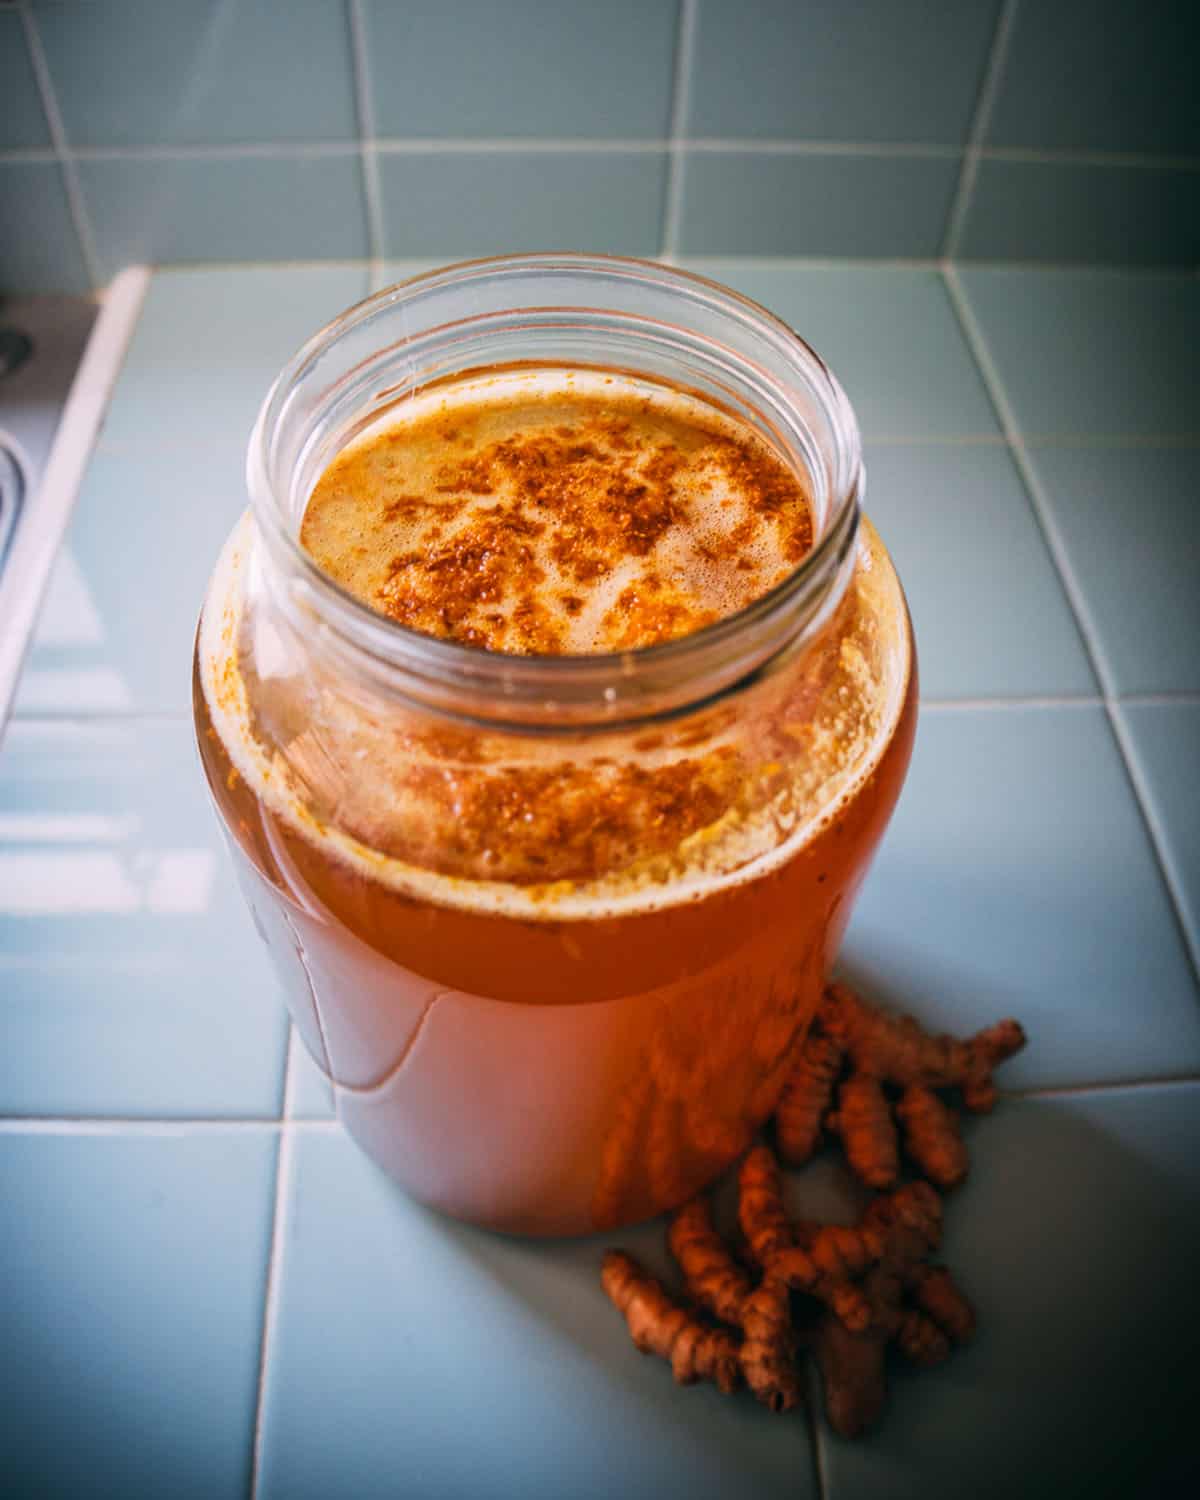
(135, 1269)
(415, 1352)
(1130, 521)
(885, 70)
(1166, 742)
(990, 616)
(209, 343)
(1017, 879)
(22, 119)
(225, 208)
(1071, 211)
(890, 336)
(132, 982)
(311, 1093)
(126, 591)
(1093, 352)
(1076, 1236)
(1116, 77)
(39, 249)
(751, 203)
(540, 68)
(145, 73)
(463, 204)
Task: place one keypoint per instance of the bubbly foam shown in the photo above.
(557, 512)
(657, 818)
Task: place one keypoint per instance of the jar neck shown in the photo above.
(635, 318)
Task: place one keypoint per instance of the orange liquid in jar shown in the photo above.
(556, 980)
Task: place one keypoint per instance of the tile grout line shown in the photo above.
(980, 120)
(1155, 830)
(685, 44)
(158, 1125)
(92, 1125)
(535, 145)
(812, 1405)
(1084, 622)
(72, 185)
(271, 1292)
(1125, 1085)
(364, 108)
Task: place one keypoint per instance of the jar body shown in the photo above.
(553, 926)
(541, 1067)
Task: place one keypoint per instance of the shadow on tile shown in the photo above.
(1076, 1236)
(479, 1365)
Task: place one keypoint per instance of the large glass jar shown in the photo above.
(553, 926)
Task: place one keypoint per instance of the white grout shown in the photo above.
(516, 145)
(1045, 157)
(980, 121)
(602, 145)
(95, 1125)
(283, 150)
(1076, 599)
(364, 103)
(16, 156)
(283, 1178)
(76, 204)
(984, 705)
(774, 146)
(685, 46)
(1112, 1086)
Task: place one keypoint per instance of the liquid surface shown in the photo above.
(557, 513)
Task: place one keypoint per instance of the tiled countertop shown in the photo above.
(209, 1291)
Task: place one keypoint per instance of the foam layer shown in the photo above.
(557, 512)
(550, 829)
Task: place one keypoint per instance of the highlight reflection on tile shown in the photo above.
(131, 979)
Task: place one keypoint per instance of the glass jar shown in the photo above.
(553, 926)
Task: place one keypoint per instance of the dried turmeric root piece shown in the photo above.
(761, 1213)
(936, 1293)
(843, 1298)
(806, 1098)
(931, 1136)
(851, 1367)
(659, 1325)
(845, 1249)
(710, 1273)
(899, 1051)
(895, 1048)
(769, 1346)
(920, 1340)
(864, 1122)
(990, 1047)
(910, 1220)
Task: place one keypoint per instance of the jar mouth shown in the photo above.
(411, 329)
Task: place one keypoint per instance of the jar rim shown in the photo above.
(570, 690)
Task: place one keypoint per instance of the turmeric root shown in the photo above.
(992, 1046)
(797, 1268)
(851, 1366)
(935, 1292)
(806, 1098)
(710, 1273)
(899, 1051)
(659, 1325)
(769, 1346)
(910, 1221)
(864, 1122)
(761, 1214)
(931, 1136)
(920, 1340)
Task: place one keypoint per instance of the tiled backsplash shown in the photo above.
(200, 130)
